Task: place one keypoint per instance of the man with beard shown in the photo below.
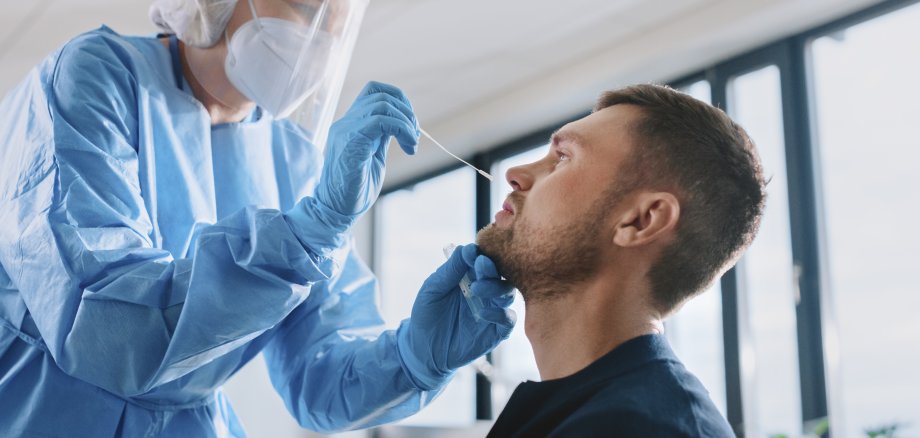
(636, 209)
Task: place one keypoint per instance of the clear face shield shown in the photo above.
(291, 58)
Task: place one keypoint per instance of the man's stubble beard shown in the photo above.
(545, 264)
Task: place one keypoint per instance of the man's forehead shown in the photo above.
(614, 117)
(568, 134)
(600, 128)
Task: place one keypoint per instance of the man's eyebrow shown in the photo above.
(566, 135)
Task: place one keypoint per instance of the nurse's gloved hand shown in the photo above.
(357, 149)
(442, 333)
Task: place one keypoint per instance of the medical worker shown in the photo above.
(163, 221)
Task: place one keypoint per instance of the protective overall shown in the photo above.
(146, 256)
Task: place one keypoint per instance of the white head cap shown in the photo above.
(198, 23)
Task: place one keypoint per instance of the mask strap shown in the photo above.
(255, 16)
(227, 43)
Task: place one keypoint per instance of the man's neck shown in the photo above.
(572, 329)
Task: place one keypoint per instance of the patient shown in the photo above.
(637, 208)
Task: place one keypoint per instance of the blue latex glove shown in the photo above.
(442, 333)
(354, 165)
(357, 149)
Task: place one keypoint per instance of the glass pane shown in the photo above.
(770, 359)
(695, 332)
(700, 90)
(513, 359)
(867, 109)
(412, 226)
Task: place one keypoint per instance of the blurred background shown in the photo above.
(817, 325)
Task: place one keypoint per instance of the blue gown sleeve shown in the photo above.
(75, 238)
(332, 365)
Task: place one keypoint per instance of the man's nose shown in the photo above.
(520, 178)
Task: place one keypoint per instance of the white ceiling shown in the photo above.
(454, 55)
(481, 72)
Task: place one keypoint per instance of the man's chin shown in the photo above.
(496, 243)
(493, 241)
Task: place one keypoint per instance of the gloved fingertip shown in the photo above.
(409, 149)
(457, 256)
(489, 288)
(503, 318)
(469, 253)
(407, 142)
(376, 87)
(485, 267)
(503, 301)
(447, 276)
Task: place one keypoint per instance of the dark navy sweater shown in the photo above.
(640, 389)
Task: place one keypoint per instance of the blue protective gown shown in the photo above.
(145, 258)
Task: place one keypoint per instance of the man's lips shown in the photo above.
(513, 203)
(509, 207)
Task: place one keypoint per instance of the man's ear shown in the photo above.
(651, 216)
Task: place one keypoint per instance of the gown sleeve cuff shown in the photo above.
(421, 374)
(322, 232)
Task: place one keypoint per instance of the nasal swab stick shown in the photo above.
(481, 172)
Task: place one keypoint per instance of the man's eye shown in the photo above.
(561, 158)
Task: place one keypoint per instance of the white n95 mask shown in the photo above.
(277, 63)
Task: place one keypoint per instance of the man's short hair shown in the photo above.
(695, 151)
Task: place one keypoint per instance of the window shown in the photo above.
(767, 301)
(412, 227)
(867, 108)
(700, 90)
